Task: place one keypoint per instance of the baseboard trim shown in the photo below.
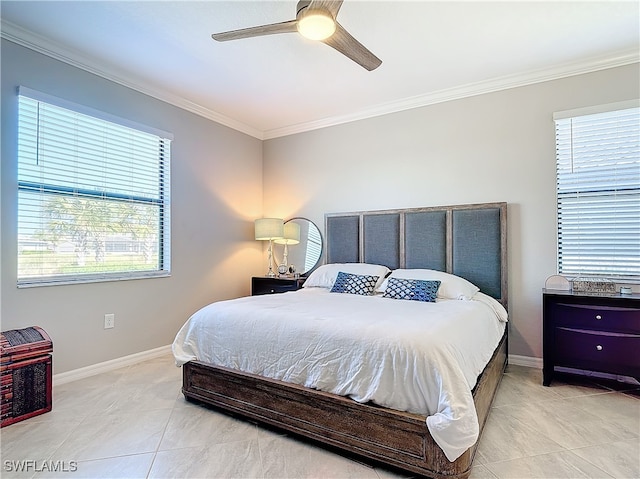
(106, 366)
(526, 361)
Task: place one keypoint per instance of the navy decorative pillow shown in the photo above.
(354, 284)
(412, 289)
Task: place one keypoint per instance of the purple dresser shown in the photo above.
(591, 332)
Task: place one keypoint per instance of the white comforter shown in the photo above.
(406, 355)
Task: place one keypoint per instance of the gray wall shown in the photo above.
(492, 147)
(216, 195)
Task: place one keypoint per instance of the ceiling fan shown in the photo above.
(316, 20)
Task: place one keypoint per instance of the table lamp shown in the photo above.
(291, 236)
(269, 229)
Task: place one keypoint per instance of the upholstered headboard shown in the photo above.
(466, 240)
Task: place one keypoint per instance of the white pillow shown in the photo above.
(451, 286)
(325, 275)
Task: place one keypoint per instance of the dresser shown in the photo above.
(591, 332)
(266, 285)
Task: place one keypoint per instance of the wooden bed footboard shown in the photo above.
(394, 438)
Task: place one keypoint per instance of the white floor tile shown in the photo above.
(134, 423)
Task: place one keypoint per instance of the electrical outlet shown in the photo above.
(109, 321)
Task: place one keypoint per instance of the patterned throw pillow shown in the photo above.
(412, 289)
(354, 284)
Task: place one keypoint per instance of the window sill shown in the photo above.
(36, 283)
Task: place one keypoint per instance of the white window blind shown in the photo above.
(598, 193)
(93, 196)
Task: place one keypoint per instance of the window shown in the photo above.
(93, 195)
(598, 188)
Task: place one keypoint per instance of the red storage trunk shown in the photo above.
(25, 374)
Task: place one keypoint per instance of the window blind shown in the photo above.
(93, 197)
(598, 194)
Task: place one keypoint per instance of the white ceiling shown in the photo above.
(275, 85)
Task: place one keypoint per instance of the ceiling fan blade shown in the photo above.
(283, 27)
(342, 41)
(332, 6)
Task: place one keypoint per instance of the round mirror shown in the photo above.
(301, 248)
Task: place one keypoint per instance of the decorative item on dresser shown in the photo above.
(593, 332)
(262, 285)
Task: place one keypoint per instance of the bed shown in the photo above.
(468, 241)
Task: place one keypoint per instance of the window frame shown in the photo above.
(49, 188)
(595, 193)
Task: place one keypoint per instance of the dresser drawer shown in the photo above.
(271, 288)
(265, 285)
(598, 350)
(597, 317)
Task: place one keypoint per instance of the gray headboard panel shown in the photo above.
(477, 248)
(466, 240)
(382, 239)
(425, 240)
(344, 246)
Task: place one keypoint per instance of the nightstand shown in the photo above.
(591, 332)
(266, 285)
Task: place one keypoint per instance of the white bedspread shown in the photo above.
(406, 355)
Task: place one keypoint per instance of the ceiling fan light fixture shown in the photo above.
(315, 20)
(316, 26)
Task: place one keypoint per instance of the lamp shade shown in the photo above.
(291, 234)
(269, 228)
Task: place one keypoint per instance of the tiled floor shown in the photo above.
(135, 423)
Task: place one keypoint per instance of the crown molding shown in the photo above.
(45, 46)
(33, 41)
(496, 84)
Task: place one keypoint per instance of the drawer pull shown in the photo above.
(598, 316)
(599, 348)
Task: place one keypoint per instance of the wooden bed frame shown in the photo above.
(393, 438)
